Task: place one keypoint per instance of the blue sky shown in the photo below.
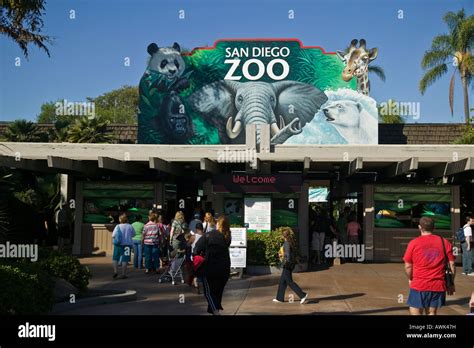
(87, 57)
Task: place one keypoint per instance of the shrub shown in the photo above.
(25, 289)
(66, 267)
(467, 137)
(262, 248)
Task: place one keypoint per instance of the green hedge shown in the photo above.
(25, 289)
(263, 247)
(66, 267)
(28, 287)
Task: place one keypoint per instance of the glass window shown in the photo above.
(104, 202)
(234, 209)
(284, 212)
(404, 209)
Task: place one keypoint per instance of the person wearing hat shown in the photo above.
(194, 222)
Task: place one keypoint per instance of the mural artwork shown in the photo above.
(210, 95)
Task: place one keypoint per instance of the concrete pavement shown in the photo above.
(352, 288)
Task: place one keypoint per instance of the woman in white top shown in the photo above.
(209, 223)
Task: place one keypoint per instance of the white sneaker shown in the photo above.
(464, 273)
(471, 274)
(303, 300)
(275, 300)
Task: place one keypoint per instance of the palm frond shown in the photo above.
(466, 35)
(431, 76)
(451, 94)
(442, 42)
(377, 70)
(453, 20)
(433, 58)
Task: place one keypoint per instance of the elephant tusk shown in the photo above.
(234, 132)
(274, 128)
(282, 122)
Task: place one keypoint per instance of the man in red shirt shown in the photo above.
(424, 266)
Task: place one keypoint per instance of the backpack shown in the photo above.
(117, 240)
(460, 235)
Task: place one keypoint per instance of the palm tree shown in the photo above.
(89, 130)
(59, 132)
(21, 21)
(454, 47)
(377, 70)
(23, 131)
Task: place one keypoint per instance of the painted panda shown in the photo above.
(168, 63)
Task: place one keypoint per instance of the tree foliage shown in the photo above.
(452, 49)
(89, 130)
(118, 106)
(21, 21)
(23, 131)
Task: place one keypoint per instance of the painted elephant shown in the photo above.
(285, 105)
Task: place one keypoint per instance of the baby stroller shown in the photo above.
(174, 269)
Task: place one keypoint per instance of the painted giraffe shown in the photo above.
(357, 61)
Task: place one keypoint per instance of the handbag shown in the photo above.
(200, 260)
(448, 274)
(117, 239)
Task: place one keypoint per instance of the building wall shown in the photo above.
(426, 133)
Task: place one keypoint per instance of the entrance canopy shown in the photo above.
(388, 161)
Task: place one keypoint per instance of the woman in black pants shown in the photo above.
(288, 258)
(214, 246)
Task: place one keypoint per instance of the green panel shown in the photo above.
(118, 193)
(118, 186)
(413, 197)
(412, 189)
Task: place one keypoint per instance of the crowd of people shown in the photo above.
(324, 231)
(203, 246)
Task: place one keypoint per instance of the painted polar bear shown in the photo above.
(352, 121)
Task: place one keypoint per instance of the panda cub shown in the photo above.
(168, 63)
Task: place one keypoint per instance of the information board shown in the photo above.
(258, 216)
(238, 257)
(239, 237)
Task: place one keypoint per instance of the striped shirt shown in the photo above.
(151, 233)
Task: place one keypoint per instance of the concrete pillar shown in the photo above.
(303, 220)
(369, 214)
(159, 195)
(76, 247)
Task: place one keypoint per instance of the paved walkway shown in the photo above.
(346, 289)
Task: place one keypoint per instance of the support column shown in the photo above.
(303, 220)
(76, 247)
(369, 214)
(159, 195)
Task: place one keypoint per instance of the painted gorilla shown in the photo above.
(173, 120)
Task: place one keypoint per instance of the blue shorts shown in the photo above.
(122, 253)
(426, 299)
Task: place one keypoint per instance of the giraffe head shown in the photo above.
(357, 60)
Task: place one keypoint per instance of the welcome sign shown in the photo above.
(305, 94)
